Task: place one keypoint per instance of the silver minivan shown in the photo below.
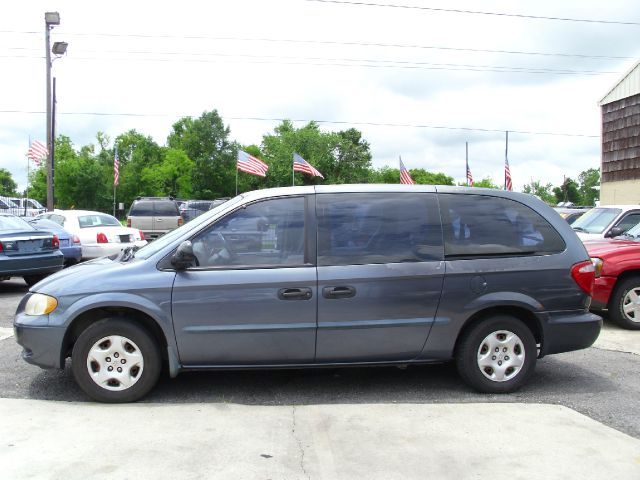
(154, 216)
(324, 276)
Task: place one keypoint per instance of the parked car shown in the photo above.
(341, 275)
(192, 208)
(26, 252)
(27, 207)
(100, 234)
(571, 214)
(154, 216)
(606, 222)
(617, 285)
(69, 242)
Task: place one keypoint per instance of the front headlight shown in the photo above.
(39, 304)
(598, 264)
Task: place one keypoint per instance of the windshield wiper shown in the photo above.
(128, 253)
(579, 229)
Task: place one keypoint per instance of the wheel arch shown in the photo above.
(622, 277)
(527, 317)
(89, 317)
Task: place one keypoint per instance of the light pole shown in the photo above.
(51, 19)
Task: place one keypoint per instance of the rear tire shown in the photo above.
(116, 361)
(496, 355)
(624, 307)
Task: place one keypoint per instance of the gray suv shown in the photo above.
(321, 276)
(154, 216)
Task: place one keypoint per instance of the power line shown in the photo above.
(476, 12)
(335, 62)
(336, 43)
(330, 122)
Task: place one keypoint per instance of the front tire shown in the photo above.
(496, 355)
(624, 308)
(116, 361)
(31, 280)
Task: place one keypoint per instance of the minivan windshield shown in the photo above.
(596, 220)
(168, 238)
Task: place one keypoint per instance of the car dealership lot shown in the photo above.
(601, 383)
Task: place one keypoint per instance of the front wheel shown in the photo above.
(116, 361)
(31, 280)
(625, 304)
(496, 355)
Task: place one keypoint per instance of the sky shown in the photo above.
(418, 82)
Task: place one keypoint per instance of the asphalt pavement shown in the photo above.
(576, 418)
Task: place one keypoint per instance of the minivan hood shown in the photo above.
(81, 277)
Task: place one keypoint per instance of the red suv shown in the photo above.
(617, 286)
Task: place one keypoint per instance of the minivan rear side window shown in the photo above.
(482, 225)
(364, 228)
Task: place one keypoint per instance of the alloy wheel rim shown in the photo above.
(631, 305)
(501, 356)
(115, 363)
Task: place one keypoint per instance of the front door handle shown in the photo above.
(294, 294)
(343, 291)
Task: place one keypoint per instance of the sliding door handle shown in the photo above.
(343, 291)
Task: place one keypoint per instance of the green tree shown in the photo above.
(543, 192)
(205, 140)
(568, 192)
(487, 183)
(172, 177)
(7, 186)
(588, 180)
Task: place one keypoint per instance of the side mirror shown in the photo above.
(614, 232)
(184, 257)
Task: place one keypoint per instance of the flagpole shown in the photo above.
(506, 156)
(293, 176)
(114, 181)
(466, 156)
(236, 177)
(400, 165)
(27, 189)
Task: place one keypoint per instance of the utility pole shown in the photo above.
(50, 19)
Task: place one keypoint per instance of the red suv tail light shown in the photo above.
(129, 222)
(141, 235)
(584, 274)
(180, 221)
(102, 238)
(55, 242)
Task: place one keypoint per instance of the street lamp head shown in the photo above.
(59, 48)
(52, 18)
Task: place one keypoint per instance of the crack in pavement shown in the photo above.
(298, 441)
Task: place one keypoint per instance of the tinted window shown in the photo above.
(142, 208)
(479, 225)
(267, 233)
(363, 228)
(166, 209)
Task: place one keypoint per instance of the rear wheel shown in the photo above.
(116, 361)
(624, 308)
(496, 355)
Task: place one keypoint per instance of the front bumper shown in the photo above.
(41, 345)
(568, 331)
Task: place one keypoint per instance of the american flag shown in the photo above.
(37, 151)
(116, 168)
(405, 177)
(469, 176)
(507, 176)
(250, 164)
(301, 165)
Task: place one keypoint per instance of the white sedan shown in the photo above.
(100, 234)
